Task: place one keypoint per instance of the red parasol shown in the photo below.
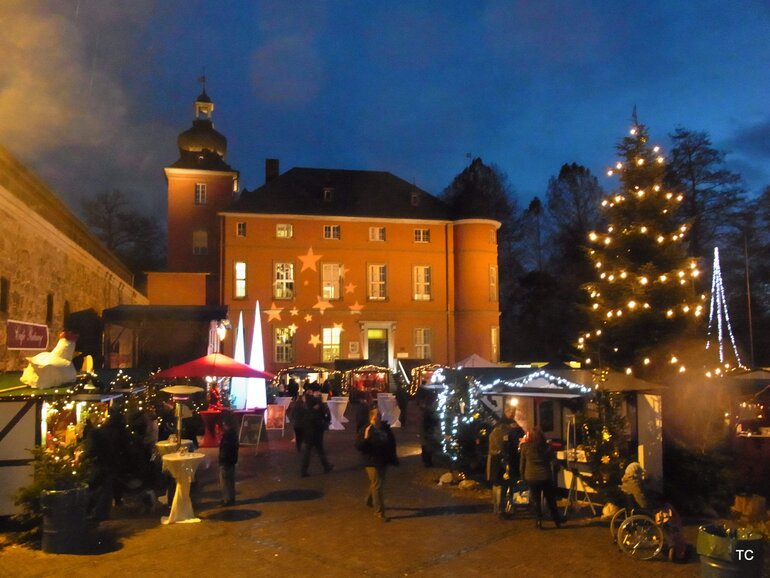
(214, 365)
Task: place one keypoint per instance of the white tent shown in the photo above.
(475, 360)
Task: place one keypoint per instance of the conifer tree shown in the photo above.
(642, 300)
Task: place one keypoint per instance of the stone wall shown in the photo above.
(39, 256)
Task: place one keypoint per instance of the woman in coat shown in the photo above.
(535, 467)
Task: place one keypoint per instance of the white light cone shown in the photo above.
(256, 393)
(239, 385)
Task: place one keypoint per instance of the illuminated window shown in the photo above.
(493, 291)
(283, 282)
(422, 235)
(422, 343)
(330, 280)
(332, 232)
(239, 291)
(422, 289)
(495, 350)
(331, 343)
(284, 231)
(283, 345)
(200, 243)
(377, 282)
(376, 233)
(200, 193)
(240, 229)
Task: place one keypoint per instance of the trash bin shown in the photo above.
(64, 520)
(728, 552)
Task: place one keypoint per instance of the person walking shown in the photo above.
(503, 458)
(378, 445)
(316, 418)
(535, 466)
(228, 457)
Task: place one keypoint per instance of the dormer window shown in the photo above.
(415, 200)
(328, 193)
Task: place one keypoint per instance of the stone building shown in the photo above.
(53, 270)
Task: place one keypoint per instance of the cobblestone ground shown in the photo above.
(285, 525)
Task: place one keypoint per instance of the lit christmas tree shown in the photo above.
(643, 299)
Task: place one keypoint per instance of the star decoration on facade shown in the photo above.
(294, 312)
(343, 271)
(355, 309)
(293, 328)
(308, 318)
(350, 287)
(338, 326)
(274, 313)
(309, 260)
(322, 305)
(315, 340)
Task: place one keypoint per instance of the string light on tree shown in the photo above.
(719, 320)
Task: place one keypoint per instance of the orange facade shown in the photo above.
(360, 288)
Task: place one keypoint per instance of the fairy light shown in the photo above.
(719, 317)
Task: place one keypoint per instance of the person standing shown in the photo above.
(503, 458)
(315, 421)
(378, 445)
(228, 457)
(535, 466)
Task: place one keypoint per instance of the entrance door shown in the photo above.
(378, 347)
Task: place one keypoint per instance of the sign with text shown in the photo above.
(251, 429)
(26, 336)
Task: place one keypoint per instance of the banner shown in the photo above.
(26, 336)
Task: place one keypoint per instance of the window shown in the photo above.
(422, 343)
(331, 343)
(240, 229)
(332, 232)
(200, 243)
(49, 309)
(495, 350)
(283, 345)
(328, 194)
(5, 294)
(284, 231)
(493, 292)
(240, 280)
(283, 283)
(330, 280)
(422, 235)
(377, 282)
(421, 277)
(376, 233)
(200, 193)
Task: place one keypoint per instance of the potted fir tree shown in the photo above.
(56, 500)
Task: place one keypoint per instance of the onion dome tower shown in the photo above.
(200, 185)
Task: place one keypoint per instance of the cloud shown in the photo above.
(64, 106)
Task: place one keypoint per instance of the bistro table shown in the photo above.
(182, 466)
(169, 447)
(212, 428)
(386, 402)
(337, 406)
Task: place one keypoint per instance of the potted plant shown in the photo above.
(56, 500)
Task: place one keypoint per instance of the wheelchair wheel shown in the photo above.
(617, 520)
(640, 538)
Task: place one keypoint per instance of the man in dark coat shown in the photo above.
(314, 421)
(228, 457)
(378, 446)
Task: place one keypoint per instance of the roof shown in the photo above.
(300, 191)
(204, 160)
(134, 314)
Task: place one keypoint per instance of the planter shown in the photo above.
(64, 519)
(725, 552)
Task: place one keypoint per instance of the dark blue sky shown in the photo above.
(94, 92)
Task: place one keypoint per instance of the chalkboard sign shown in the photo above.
(251, 429)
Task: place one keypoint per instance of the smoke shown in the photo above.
(65, 110)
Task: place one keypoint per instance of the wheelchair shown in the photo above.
(643, 534)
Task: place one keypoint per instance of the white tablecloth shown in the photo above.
(337, 407)
(386, 402)
(167, 447)
(182, 467)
